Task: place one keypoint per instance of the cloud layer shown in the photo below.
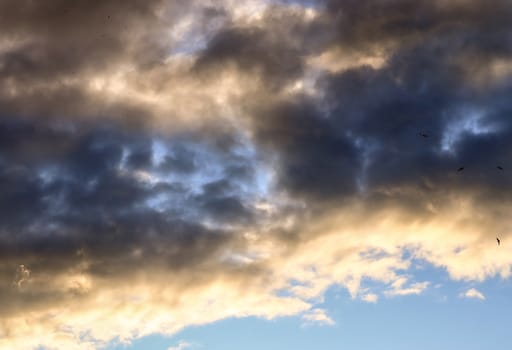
(166, 164)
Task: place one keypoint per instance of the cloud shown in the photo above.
(165, 164)
(22, 276)
(473, 294)
(182, 345)
(370, 298)
(318, 316)
(398, 287)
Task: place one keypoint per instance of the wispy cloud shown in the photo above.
(182, 345)
(319, 317)
(22, 276)
(370, 298)
(473, 294)
(400, 287)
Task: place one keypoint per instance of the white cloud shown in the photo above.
(398, 287)
(370, 298)
(22, 276)
(182, 345)
(337, 252)
(318, 316)
(473, 294)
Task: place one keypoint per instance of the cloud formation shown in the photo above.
(165, 164)
(181, 346)
(318, 316)
(473, 294)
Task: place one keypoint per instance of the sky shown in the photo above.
(259, 174)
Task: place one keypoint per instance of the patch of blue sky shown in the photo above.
(153, 342)
(420, 322)
(188, 47)
(467, 121)
(311, 4)
(193, 32)
(215, 165)
(159, 151)
(48, 174)
(211, 166)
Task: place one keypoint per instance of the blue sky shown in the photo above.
(440, 319)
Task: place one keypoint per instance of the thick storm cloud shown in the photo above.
(162, 160)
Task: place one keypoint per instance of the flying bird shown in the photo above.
(422, 134)
(460, 169)
(499, 167)
(498, 240)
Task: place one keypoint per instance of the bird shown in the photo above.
(422, 134)
(498, 240)
(499, 167)
(460, 169)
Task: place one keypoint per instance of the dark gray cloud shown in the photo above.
(97, 193)
(361, 134)
(317, 156)
(113, 199)
(56, 38)
(460, 23)
(53, 54)
(252, 50)
(181, 160)
(421, 90)
(274, 50)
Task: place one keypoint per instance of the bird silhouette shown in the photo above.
(499, 167)
(422, 134)
(498, 240)
(460, 169)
